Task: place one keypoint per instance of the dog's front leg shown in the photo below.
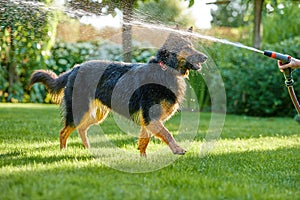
(158, 129)
(144, 139)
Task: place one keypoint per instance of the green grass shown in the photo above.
(255, 158)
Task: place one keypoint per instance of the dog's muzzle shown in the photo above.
(196, 60)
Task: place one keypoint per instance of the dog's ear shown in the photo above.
(190, 29)
(168, 58)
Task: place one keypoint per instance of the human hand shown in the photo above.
(294, 63)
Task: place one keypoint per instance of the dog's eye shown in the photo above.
(182, 62)
(188, 49)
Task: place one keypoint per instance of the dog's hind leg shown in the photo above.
(158, 129)
(83, 128)
(82, 131)
(96, 114)
(64, 135)
(143, 141)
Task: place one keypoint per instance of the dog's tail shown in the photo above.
(54, 84)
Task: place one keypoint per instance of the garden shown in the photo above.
(246, 147)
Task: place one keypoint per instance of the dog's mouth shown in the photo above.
(198, 65)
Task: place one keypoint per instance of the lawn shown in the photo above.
(255, 158)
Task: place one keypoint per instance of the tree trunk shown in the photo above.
(11, 66)
(126, 30)
(258, 6)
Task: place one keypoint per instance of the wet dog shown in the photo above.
(149, 94)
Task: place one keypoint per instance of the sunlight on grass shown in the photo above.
(255, 158)
(256, 144)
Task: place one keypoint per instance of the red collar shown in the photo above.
(163, 66)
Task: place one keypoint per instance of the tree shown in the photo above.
(258, 8)
(238, 13)
(95, 7)
(127, 6)
(27, 32)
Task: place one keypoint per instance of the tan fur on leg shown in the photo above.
(64, 135)
(96, 114)
(82, 128)
(82, 131)
(158, 129)
(143, 142)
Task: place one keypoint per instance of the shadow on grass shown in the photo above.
(18, 159)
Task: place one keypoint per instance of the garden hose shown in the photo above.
(289, 82)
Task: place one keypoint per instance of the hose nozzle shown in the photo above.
(272, 54)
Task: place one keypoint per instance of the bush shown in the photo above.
(254, 85)
(26, 36)
(273, 23)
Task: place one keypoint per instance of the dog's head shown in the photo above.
(178, 53)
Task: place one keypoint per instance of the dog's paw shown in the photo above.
(178, 150)
(143, 155)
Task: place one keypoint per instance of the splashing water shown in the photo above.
(69, 11)
(223, 41)
(197, 35)
(80, 13)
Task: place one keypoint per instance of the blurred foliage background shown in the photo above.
(35, 35)
(27, 34)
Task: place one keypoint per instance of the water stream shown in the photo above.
(195, 35)
(79, 13)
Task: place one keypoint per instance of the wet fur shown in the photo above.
(147, 93)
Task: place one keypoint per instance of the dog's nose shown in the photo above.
(197, 58)
(203, 58)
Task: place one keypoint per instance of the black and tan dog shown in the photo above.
(149, 94)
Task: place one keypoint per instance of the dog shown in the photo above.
(147, 93)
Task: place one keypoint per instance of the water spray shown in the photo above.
(289, 82)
